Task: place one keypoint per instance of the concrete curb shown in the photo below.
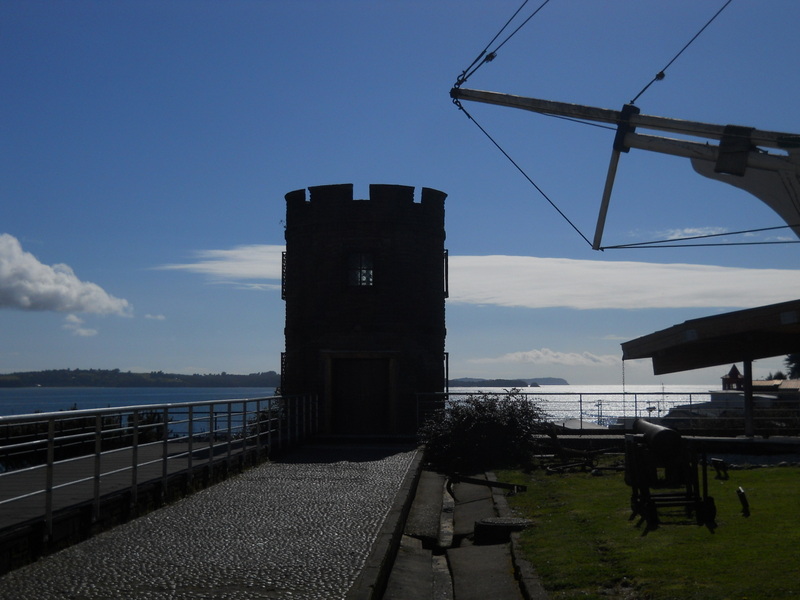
(371, 581)
(529, 582)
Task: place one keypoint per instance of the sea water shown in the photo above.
(20, 401)
(603, 404)
(595, 403)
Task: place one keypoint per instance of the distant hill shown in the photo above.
(116, 378)
(506, 383)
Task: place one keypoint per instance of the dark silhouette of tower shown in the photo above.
(365, 283)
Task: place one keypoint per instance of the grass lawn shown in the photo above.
(583, 545)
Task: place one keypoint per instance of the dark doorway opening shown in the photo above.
(361, 393)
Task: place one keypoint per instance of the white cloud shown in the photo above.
(27, 284)
(258, 287)
(155, 317)
(242, 262)
(546, 356)
(690, 232)
(529, 282)
(75, 325)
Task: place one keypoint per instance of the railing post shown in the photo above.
(257, 421)
(269, 426)
(310, 415)
(306, 410)
(164, 454)
(296, 411)
(134, 460)
(295, 423)
(299, 418)
(98, 450)
(304, 417)
(243, 431)
(298, 415)
(315, 414)
(212, 434)
(284, 406)
(190, 456)
(51, 437)
(230, 430)
(289, 405)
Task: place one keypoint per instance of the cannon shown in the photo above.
(664, 470)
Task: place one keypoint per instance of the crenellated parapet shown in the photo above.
(386, 203)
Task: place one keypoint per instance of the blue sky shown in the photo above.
(146, 148)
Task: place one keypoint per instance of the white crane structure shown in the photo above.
(739, 159)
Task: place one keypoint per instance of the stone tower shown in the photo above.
(365, 283)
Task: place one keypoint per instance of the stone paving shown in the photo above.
(300, 528)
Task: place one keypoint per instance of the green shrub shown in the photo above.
(484, 431)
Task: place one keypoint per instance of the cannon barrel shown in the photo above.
(660, 439)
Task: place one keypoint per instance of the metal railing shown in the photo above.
(53, 461)
(699, 412)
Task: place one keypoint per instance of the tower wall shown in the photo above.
(365, 287)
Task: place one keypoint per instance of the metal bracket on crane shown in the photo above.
(733, 149)
(624, 127)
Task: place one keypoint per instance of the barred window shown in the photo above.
(359, 270)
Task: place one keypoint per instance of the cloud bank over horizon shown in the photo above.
(532, 282)
(546, 356)
(254, 261)
(29, 285)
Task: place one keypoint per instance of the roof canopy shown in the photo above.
(722, 339)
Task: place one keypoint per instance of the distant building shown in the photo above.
(733, 380)
(365, 283)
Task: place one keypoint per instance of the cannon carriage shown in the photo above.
(666, 470)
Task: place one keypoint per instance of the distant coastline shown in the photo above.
(117, 378)
(506, 383)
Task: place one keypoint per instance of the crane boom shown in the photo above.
(738, 159)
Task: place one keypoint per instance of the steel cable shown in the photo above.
(487, 56)
(524, 174)
(660, 75)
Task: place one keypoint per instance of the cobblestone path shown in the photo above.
(300, 529)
